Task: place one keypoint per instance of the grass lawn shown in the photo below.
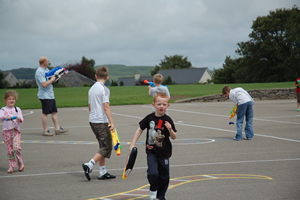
(127, 95)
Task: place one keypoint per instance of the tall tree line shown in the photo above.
(271, 55)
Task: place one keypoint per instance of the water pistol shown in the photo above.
(57, 72)
(233, 112)
(14, 117)
(116, 141)
(151, 83)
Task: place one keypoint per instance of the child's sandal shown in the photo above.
(10, 170)
(21, 168)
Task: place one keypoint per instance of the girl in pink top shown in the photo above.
(11, 130)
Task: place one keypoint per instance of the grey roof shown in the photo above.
(130, 81)
(75, 79)
(184, 76)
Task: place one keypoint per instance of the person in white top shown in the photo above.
(99, 118)
(244, 103)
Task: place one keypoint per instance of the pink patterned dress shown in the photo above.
(12, 136)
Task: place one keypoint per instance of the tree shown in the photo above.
(85, 67)
(1, 80)
(271, 55)
(172, 62)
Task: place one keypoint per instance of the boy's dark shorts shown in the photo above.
(103, 136)
(298, 97)
(48, 106)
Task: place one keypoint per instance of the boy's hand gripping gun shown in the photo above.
(232, 113)
(116, 141)
(57, 72)
(151, 83)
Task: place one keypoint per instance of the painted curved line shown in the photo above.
(31, 112)
(174, 182)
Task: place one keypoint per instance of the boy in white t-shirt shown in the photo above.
(244, 104)
(99, 118)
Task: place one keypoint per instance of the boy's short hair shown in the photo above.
(161, 95)
(102, 72)
(158, 78)
(9, 93)
(226, 89)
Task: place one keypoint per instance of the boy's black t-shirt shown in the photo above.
(156, 130)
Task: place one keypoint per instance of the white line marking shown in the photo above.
(185, 165)
(31, 112)
(218, 129)
(227, 116)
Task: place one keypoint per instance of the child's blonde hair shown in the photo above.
(161, 95)
(158, 78)
(9, 93)
(102, 72)
(226, 89)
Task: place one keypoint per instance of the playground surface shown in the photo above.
(206, 162)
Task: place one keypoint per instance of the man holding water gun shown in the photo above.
(244, 105)
(46, 96)
(297, 84)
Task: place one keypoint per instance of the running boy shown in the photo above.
(244, 103)
(158, 145)
(157, 80)
(100, 115)
(11, 130)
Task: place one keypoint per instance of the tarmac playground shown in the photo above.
(206, 163)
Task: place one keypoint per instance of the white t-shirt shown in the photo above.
(240, 96)
(98, 94)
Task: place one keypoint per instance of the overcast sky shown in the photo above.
(129, 32)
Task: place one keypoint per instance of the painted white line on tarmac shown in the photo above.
(259, 119)
(225, 130)
(218, 129)
(183, 165)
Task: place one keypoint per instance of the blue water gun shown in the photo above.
(151, 83)
(57, 72)
(14, 117)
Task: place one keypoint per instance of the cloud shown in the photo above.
(130, 32)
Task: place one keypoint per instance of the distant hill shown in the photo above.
(23, 73)
(116, 71)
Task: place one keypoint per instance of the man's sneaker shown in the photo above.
(87, 170)
(106, 176)
(47, 133)
(60, 131)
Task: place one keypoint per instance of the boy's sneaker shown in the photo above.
(249, 138)
(236, 139)
(87, 170)
(60, 131)
(152, 195)
(47, 133)
(106, 176)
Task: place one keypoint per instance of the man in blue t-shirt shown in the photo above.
(46, 96)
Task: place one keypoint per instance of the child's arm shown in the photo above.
(20, 116)
(136, 136)
(172, 133)
(107, 111)
(2, 115)
(149, 88)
